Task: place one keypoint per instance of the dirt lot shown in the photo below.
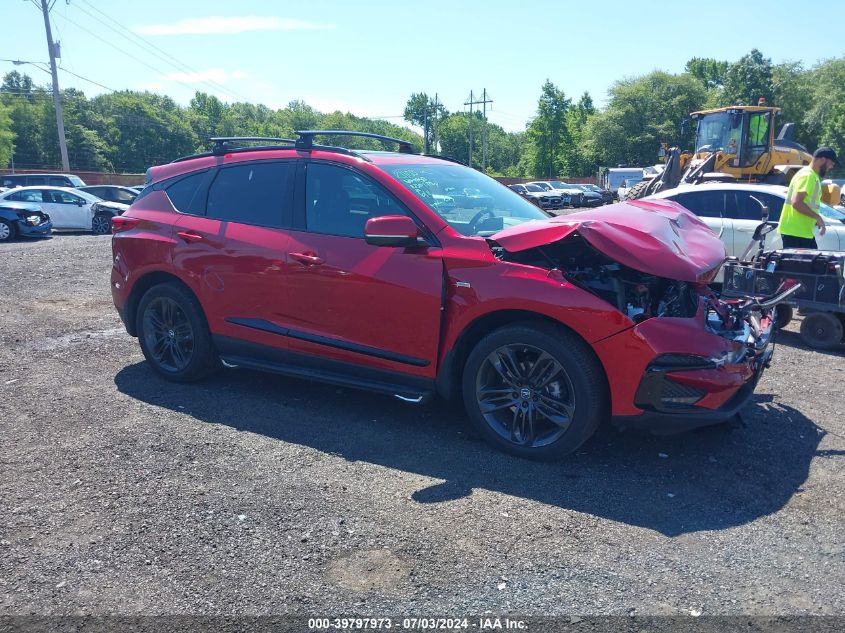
(251, 493)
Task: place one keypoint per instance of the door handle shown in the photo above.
(189, 236)
(309, 259)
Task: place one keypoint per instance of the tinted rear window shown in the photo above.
(184, 193)
(254, 193)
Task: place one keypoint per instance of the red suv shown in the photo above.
(358, 268)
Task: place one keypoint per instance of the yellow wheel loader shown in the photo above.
(733, 144)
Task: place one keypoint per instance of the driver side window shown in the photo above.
(339, 201)
(64, 197)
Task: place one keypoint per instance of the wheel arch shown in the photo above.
(448, 381)
(144, 283)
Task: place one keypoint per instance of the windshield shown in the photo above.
(831, 213)
(76, 181)
(557, 184)
(477, 204)
(719, 131)
(534, 188)
(630, 182)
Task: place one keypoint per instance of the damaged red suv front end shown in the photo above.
(688, 358)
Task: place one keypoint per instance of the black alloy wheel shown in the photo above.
(525, 395)
(174, 335)
(535, 390)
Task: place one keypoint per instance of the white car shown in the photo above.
(728, 209)
(69, 209)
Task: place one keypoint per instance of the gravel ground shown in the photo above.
(256, 494)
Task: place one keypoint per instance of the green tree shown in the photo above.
(549, 141)
(749, 79)
(7, 136)
(641, 114)
(824, 120)
(425, 112)
(710, 72)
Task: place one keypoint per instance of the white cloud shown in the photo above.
(227, 25)
(218, 75)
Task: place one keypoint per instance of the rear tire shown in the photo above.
(174, 335)
(821, 330)
(101, 224)
(534, 390)
(8, 231)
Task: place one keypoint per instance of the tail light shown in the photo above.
(120, 223)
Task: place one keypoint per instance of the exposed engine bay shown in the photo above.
(641, 296)
(638, 295)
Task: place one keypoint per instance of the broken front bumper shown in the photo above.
(679, 374)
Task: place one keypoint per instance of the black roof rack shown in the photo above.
(306, 139)
(221, 143)
(304, 143)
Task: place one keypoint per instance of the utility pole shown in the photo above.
(484, 101)
(57, 97)
(470, 103)
(434, 123)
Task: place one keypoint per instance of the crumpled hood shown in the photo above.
(657, 237)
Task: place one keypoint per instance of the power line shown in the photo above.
(152, 49)
(130, 55)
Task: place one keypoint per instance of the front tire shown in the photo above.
(101, 224)
(7, 231)
(174, 334)
(534, 390)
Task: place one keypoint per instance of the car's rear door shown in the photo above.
(368, 306)
(746, 215)
(229, 245)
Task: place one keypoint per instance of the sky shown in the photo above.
(368, 56)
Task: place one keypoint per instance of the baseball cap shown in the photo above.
(826, 152)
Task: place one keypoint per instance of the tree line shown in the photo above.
(128, 131)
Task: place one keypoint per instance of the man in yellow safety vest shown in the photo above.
(800, 213)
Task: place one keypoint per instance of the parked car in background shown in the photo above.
(625, 186)
(20, 219)
(576, 195)
(52, 180)
(112, 193)
(729, 210)
(69, 209)
(606, 194)
(543, 327)
(590, 197)
(540, 197)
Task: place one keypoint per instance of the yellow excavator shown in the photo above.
(733, 144)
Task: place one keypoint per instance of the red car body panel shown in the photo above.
(669, 241)
(403, 311)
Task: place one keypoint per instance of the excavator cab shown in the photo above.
(742, 134)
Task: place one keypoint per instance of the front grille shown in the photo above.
(675, 390)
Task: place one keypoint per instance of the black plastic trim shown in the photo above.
(267, 326)
(262, 357)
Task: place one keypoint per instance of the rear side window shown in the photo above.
(28, 195)
(706, 204)
(748, 209)
(254, 193)
(185, 195)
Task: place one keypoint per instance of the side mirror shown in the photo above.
(79, 202)
(392, 230)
